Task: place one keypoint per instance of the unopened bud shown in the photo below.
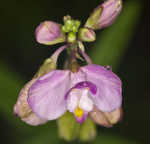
(49, 33)
(70, 25)
(104, 15)
(71, 37)
(86, 35)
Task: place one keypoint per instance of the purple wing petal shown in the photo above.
(109, 87)
(46, 95)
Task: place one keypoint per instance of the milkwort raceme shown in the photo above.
(90, 90)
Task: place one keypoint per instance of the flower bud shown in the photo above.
(104, 15)
(49, 33)
(106, 119)
(87, 35)
(71, 37)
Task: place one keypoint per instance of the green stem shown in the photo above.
(71, 61)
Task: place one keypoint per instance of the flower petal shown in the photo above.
(76, 77)
(73, 99)
(109, 90)
(106, 119)
(85, 102)
(22, 108)
(46, 95)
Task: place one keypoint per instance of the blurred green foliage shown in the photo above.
(109, 49)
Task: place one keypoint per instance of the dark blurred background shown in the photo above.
(21, 56)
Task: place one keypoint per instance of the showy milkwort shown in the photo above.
(86, 91)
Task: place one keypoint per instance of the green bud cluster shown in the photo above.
(71, 27)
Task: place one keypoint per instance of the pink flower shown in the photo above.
(54, 93)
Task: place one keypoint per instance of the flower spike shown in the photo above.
(76, 92)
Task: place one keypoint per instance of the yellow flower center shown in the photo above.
(79, 112)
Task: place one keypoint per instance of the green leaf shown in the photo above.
(113, 42)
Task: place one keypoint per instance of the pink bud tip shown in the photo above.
(105, 14)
